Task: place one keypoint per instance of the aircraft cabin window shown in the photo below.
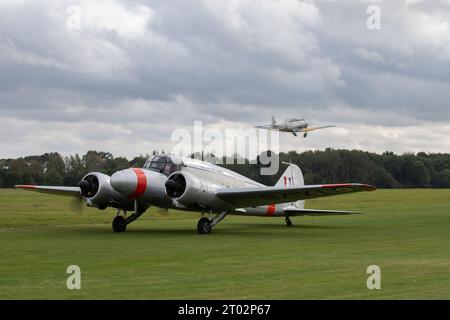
(161, 164)
(168, 169)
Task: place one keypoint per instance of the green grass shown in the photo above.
(405, 232)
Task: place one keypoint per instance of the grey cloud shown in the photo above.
(210, 61)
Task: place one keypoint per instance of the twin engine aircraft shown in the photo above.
(293, 126)
(172, 182)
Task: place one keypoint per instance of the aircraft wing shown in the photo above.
(292, 211)
(63, 191)
(260, 196)
(264, 127)
(315, 128)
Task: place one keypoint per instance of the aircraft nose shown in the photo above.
(130, 182)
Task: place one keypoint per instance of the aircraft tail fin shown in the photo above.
(274, 122)
(292, 177)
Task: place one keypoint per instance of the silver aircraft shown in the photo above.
(293, 126)
(172, 182)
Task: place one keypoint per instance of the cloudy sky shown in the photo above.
(132, 71)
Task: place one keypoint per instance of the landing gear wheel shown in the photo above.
(119, 224)
(204, 226)
(288, 222)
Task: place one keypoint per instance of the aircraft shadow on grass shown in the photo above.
(245, 229)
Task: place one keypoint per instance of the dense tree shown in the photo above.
(96, 161)
(416, 174)
(75, 170)
(53, 178)
(138, 162)
(443, 179)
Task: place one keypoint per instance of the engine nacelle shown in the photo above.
(189, 191)
(96, 189)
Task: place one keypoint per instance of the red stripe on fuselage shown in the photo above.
(271, 208)
(141, 184)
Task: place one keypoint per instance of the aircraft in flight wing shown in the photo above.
(293, 126)
(173, 182)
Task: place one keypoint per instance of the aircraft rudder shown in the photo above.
(292, 177)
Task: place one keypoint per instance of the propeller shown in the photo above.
(86, 187)
(175, 186)
(171, 186)
(77, 204)
(161, 211)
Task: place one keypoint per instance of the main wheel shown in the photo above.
(119, 224)
(204, 226)
(288, 222)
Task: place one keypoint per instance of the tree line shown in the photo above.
(386, 170)
(55, 170)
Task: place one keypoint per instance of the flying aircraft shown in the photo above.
(293, 126)
(173, 182)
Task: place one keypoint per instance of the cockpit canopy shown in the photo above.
(162, 164)
(295, 120)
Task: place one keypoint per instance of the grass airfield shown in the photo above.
(405, 232)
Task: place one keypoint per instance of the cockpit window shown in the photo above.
(161, 164)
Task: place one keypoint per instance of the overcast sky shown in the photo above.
(136, 70)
